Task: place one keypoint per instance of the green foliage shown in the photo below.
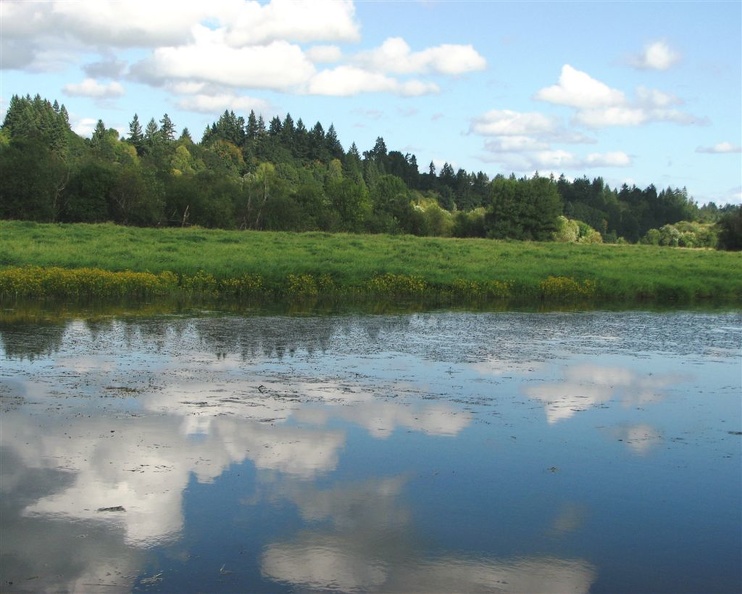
(730, 230)
(683, 234)
(216, 264)
(429, 219)
(350, 200)
(303, 286)
(32, 181)
(87, 193)
(469, 224)
(563, 288)
(571, 231)
(396, 285)
(82, 283)
(38, 121)
(289, 176)
(525, 209)
(392, 208)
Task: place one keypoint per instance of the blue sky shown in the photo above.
(636, 92)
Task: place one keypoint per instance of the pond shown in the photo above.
(426, 452)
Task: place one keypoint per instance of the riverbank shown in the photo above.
(108, 263)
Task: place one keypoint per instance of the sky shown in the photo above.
(634, 92)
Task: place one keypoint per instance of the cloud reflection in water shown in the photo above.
(587, 385)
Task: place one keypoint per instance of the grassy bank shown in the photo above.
(107, 262)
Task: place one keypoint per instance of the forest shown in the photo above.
(281, 175)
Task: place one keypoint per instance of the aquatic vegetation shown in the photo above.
(400, 285)
(82, 283)
(564, 288)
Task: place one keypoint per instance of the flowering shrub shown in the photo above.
(495, 289)
(247, 285)
(75, 283)
(201, 282)
(302, 285)
(396, 285)
(566, 288)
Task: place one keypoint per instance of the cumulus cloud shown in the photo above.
(293, 20)
(15, 54)
(83, 127)
(142, 23)
(395, 56)
(350, 80)
(233, 44)
(107, 22)
(220, 102)
(515, 144)
(324, 54)
(562, 159)
(580, 90)
(523, 141)
(720, 148)
(656, 56)
(598, 106)
(277, 66)
(505, 122)
(109, 68)
(557, 161)
(92, 88)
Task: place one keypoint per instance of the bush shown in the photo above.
(562, 288)
(730, 230)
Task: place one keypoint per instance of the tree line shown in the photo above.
(246, 173)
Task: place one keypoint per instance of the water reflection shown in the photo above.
(588, 385)
(366, 544)
(430, 452)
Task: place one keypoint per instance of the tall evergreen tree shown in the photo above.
(136, 135)
(167, 129)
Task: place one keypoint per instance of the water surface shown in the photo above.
(429, 452)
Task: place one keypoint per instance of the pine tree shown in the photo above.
(167, 129)
(333, 144)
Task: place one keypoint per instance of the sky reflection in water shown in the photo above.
(441, 452)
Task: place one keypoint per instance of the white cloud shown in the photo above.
(395, 56)
(611, 116)
(294, 20)
(221, 102)
(504, 122)
(529, 160)
(656, 56)
(277, 66)
(523, 141)
(580, 90)
(107, 23)
(30, 28)
(566, 159)
(350, 80)
(611, 159)
(84, 127)
(654, 99)
(237, 44)
(515, 144)
(92, 88)
(598, 106)
(720, 148)
(324, 54)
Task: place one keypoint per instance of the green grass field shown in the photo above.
(44, 261)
